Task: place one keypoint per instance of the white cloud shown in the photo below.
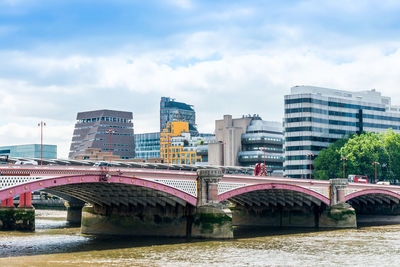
(34, 88)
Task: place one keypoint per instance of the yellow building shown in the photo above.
(176, 144)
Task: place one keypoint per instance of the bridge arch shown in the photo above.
(78, 186)
(299, 193)
(378, 195)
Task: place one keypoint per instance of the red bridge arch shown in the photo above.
(250, 188)
(371, 191)
(16, 190)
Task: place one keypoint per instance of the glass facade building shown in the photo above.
(170, 111)
(92, 131)
(315, 117)
(147, 145)
(30, 151)
(262, 135)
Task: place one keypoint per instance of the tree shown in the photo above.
(391, 142)
(362, 151)
(328, 163)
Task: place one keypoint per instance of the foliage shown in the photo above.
(361, 151)
(328, 163)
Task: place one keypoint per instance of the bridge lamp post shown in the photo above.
(375, 162)
(110, 131)
(311, 155)
(41, 124)
(344, 167)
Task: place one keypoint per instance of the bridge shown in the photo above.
(202, 203)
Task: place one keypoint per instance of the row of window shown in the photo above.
(262, 139)
(300, 157)
(331, 103)
(113, 119)
(297, 148)
(319, 120)
(311, 138)
(322, 111)
(317, 129)
(298, 167)
(260, 157)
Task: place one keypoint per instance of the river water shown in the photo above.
(55, 243)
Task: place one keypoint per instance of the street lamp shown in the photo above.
(41, 124)
(310, 154)
(375, 162)
(344, 168)
(110, 131)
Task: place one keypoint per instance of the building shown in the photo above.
(96, 154)
(92, 130)
(177, 146)
(170, 110)
(202, 146)
(147, 145)
(30, 151)
(315, 117)
(241, 142)
(228, 133)
(262, 142)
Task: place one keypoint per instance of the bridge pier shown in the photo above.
(339, 214)
(138, 220)
(74, 211)
(211, 219)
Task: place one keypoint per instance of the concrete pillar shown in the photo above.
(337, 191)
(74, 211)
(207, 181)
(211, 219)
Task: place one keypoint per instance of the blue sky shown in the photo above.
(224, 57)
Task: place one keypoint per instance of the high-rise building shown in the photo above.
(170, 110)
(241, 142)
(30, 151)
(315, 117)
(177, 146)
(147, 145)
(93, 129)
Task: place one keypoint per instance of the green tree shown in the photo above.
(391, 142)
(328, 163)
(362, 151)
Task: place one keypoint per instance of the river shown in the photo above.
(55, 243)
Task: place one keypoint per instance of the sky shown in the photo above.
(61, 57)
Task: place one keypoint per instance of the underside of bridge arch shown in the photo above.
(277, 208)
(117, 195)
(375, 204)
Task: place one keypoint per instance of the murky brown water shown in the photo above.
(56, 244)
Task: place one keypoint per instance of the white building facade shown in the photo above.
(315, 117)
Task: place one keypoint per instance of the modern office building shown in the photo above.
(316, 117)
(147, 145)
(177, 146)
(171, 110)
(30, 151)
(241, 142)
(262, 142)
(94, 129)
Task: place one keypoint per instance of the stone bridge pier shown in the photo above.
(212, 219)
(74, 211)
